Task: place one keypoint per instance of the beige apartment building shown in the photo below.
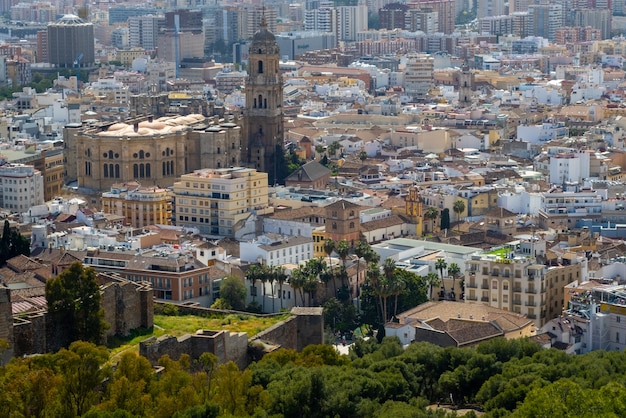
(140, 206)
(218, 201)
(509, 278)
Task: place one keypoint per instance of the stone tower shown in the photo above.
(263, 123)
(466, 82)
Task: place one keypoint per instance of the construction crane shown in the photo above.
(79, 57)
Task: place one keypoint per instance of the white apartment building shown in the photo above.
(489, 8)
(569, 167)
(350, 21)
(542, 132)
(277, 250)
(21, 187)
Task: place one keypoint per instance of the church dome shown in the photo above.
(263, 41)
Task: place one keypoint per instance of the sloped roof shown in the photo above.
(387, 222)
(310, 171)
(500, 213)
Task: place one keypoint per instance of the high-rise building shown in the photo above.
(544, 20)
(596, 18)
(263, 127)
(444, 8)
(120, 38)
(418, 76)
(121, 14)
(322, 18)
(424, 20)
(69, 38)
(42, 46)
(489, 8)
(350, 21)
(144, 31)
(392, 16)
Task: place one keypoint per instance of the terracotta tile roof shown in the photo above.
(22, 263)
(311, 171)
(390, 221)
(294, 214)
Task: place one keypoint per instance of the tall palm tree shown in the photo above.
(431, 214)
(296, 281)
(397, 288)
(454, 270)
(271, 277)
(432, 280)
(281, 278)
(373, 279)
(458, 207)
(329, 247)
(361, 249)
(441, 265)
(343, 250)
(263, 278)
(253, 275)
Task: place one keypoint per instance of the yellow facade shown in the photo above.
(217, 201)
(140, 207)
(318, 242)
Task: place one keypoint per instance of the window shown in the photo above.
(334, 225)
(260, 66)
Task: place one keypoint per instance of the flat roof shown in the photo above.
(406, 243)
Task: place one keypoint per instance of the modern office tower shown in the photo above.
(144, 31)
(350, 21)
(120, 38)
(121, 14)
(69, 38)
(263, 127)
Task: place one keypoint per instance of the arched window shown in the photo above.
(164, 168)
(265, 103)
(88, 152)
(148, 170)
(106, 170)
(219, 165)
(135, 171)
(111, 170)
(117, 171)
(142, 171)
(141, 155)
(260, 101)
(260, 67)
(255, 103)
(110, 155)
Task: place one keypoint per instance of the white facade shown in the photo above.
(569, 168)
(22, 187)
(273, 250)
(542, 132)
(418, 76)
(287, 227)
(143, 31)
(572, 203)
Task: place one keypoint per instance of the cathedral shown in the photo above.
(263, 131)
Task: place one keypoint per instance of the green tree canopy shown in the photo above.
(75, 296)
(233, 292)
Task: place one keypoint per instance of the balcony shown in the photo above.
(517, 302)
(484, 299)
(472, 286)
(531, 277)
(484, 286)
(473, 298)
(531, 316)
(517, 289)
(530, 290)
(530, 303)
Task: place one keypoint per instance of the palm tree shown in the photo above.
(361, 249)
(454, 270)
(343, 250)
(263, 278)
(458, 207)
(281, 278)
(397, 288)
(432, 280)
(297, 281)
(329, 247)
(431, 214)
(271, 277)
(441, 265)
(373, 279)
(253, 274)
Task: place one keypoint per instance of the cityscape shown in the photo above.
(328, 208)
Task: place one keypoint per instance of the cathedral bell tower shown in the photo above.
(263, 123)
(466, 84)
